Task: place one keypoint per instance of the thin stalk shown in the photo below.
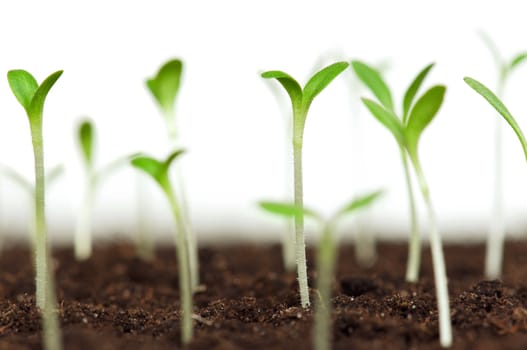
(299, 227)
(438, 262)
(414, 244)
(83, 232)
(496, 235)
(145, 243)
(182, 249)
(326, 258)
(45, 292)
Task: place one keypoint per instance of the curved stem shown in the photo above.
(414, 244)
(438, 262)
(299, 227)
(182, 249)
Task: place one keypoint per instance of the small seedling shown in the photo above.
(93, 177)
(32, 96)
(164, 87)
(496, 235)
(327, 255)
(159, 171)
(301, 99)
(407, 131)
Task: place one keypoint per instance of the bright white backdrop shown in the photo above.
(230, 121)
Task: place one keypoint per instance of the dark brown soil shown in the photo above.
(117, 301)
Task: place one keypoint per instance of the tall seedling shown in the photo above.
(301, 99)
(496, 235)
(327, 254)
(159, 171)
(164, 87)
(32, 96)
(407, 131)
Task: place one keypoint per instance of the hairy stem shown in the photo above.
(326, 259)
(83, 231)
(438, 263)
(182, 249)
(496, 235)
(414, 244)
(299, 228)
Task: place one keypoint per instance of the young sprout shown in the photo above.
(327, 254)
(301, 99)
(159, 171)
(496, 234)
(407, 131)
(32, 96)
(164, 87)
(93, 177)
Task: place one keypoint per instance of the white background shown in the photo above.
(229, 118)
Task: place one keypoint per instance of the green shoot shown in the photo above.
(164, 87)
(496, 234)
(32, 96)
(301, 100)
(93, 177)
(159, 171)
(407, 131)
(327, 255)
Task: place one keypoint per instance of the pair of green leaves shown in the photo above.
(164, 86)
(291, 210)
(301, 98)
(499, 107)
(31, 95)
(158, 170)
(415, 117)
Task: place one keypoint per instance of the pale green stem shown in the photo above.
(326, 258)
(182, 248)
(83, 231)
(414, 244)
(438, 263)
(299, 228)
(365, 248)
(145, 243)
(45, 293)
(496, 235)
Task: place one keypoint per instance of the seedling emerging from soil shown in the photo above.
(164, 87)
(327, 254)
(159, 171)
(407, 131)
(301, 99)
(496, 234)
(32, 97)
(93, 177)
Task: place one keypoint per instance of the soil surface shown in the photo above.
(117, 301)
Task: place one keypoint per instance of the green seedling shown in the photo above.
(93, 178)
(164, 87)
(52, 176)
(32, 96)
(327, 255)
(159, 171)
(301, 99)
(496, 235)
(407, 130)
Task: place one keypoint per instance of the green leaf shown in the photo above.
(165, 85)
(320, 80)
(421, 115)
(373, 80)
(86, 140)
(290, 85)
(387, 118)
(361, 202)
(519, 59)
(23, 85)
(36, 106)
(149, 165)
(412, 91)
(172, 156)
(286, 209)
(498, 106)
